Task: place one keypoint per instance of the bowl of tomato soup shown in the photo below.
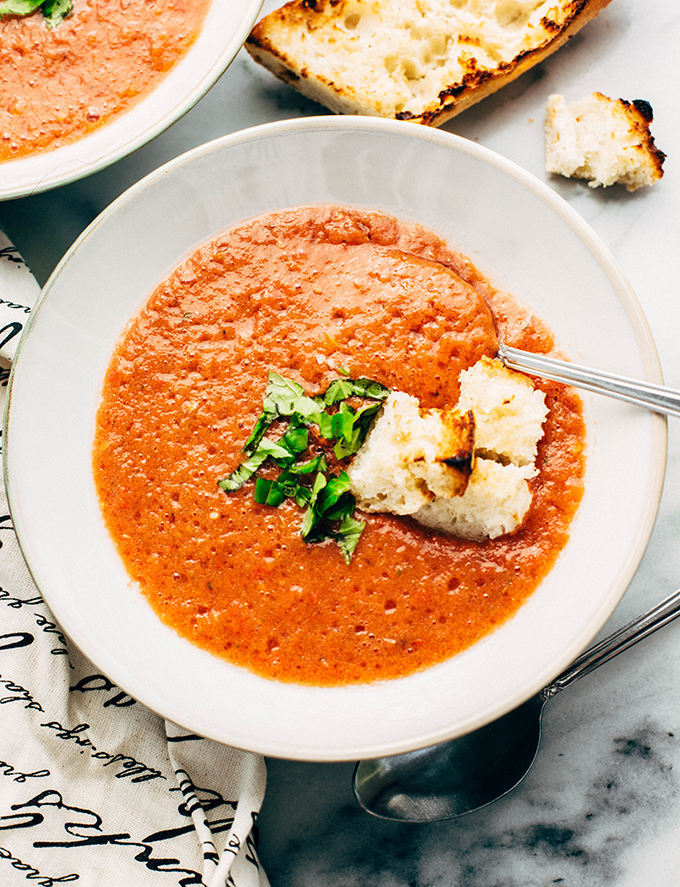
(84, 90)
(301, 258)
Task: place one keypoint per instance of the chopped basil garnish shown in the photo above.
(327, 500)
(54, 11)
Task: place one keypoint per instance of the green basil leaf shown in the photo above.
(348, 536)
(55, 11)
(279, 394)
(288, 482)
(335, 487)
(268, 492)
(268, 415)
(364, 419)
(295, 440)
(328, 501)
(290, 398)
(341, 389)
(302, 496)
(283, 397)
(284, 393)
(325, 424)
(345, 448)
(243, 473)
(279, 454)
(265, 449)
(312, 519)
(371, 389)
(307, 410)
(343, 424)
(351, 439)
(343, 508)
(19, 7)
(318, 463)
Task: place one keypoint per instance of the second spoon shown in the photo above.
(456, 777)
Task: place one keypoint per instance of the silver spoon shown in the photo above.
(456, 777)
(655, 397)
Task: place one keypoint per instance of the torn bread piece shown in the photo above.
(495, 502)
(509, 412)
(401, 468)
(418, 60)
(606, 141)
(412, 455)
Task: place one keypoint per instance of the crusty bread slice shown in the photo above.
(419, 60)
(603, 140)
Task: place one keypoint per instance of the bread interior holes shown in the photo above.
(515, 13)
(435, 49)
(391, 63)
(410, 69)
(430, 51)
(352, 20)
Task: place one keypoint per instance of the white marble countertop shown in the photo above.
(602, 803)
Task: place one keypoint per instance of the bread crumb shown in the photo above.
(605, 141)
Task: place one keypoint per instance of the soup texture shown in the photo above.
(59, 84)
(312, 293)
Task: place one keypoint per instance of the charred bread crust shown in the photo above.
(304, 17)
(641, 115)
(605, 141)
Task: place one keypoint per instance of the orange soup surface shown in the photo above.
(59, 84)
(310, 293)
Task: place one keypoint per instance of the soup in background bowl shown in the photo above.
(93, 87)
(471, 199)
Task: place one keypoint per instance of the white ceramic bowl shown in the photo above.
(518, 232)
(225, 29)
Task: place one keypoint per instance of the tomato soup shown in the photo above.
(59, 84)
(311, 293)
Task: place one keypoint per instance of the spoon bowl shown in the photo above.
(448, 780)
(457, 777)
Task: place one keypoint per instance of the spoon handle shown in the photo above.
(655, 397)
(616, 643)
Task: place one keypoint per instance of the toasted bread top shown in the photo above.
(419, 60)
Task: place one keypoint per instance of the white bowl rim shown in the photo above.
(77, 168)
(594, 244)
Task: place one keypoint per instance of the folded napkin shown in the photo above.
(95, 788)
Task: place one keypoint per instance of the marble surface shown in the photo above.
(602, 803)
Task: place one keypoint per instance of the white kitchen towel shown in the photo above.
(96, 789)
